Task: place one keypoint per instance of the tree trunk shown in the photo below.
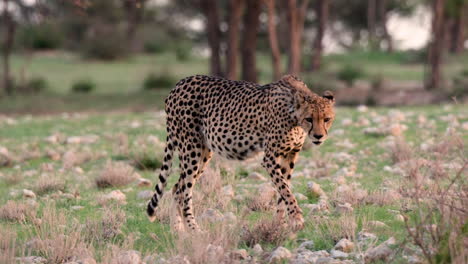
(296, 26)
(235, 7)
(134, 10)
(383, 21)
(458, 30)
(211, 12)
(249, 42)
(9, 32)
(436, 46)
(371, 22)
(273, 39)
(322, 16)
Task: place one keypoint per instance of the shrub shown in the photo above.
(265, 231)
(460, 82)
(156, 81)
(154, 46)
(106, 46)
(83, 86)
(44, 36)
(349, 74)
(37, 84)
(115, 174)
(182, 51)
(145, 161)
(46, 184)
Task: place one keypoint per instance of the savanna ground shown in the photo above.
(74, 186)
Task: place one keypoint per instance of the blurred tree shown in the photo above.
(296, 17)
(211, 11)
(9, 28)
(321, 9)
(273, 39)
(360, 21)
(235, 15)
(134, 10)
(249, 41)
(435, 46)
(456, 12)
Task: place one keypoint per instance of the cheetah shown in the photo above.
(236, 120)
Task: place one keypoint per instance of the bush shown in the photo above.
(106, 46)
(460, 82)
(182, 51)
(33, 85)
(155, 81)
(349, 74)
(37, 84)
(154, 46)
(44, 36)
(83, 86)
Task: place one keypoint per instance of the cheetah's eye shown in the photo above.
(309, 119)
(327, 120)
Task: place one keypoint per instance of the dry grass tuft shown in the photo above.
(349, 194)
(401, 151)
(73, 158)
(47, 184)
(344, 226)
(7, 246)
(208, 246)
(115, 174)
(58, 240)
(106, 228)
(17, 212)
(383, 197)
(12, 178)
(265, 231)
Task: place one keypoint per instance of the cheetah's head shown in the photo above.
(314, 113)
(316, 116)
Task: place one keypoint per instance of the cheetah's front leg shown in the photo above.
(287, 168)
(271, 163)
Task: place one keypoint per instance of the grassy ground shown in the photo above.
(364, 163)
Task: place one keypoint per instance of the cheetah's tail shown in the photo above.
(163, 175)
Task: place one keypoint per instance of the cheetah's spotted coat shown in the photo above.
(238, 119)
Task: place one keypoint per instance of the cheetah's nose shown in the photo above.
(318, 136)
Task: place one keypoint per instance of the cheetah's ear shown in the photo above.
(329, 95)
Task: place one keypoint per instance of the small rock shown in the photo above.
(29, 194)
(309, 257)
(363, 236)
(315, 189)
(178, 260)
(228, 191)
(400, 217)
(344, 208)
(32, 260)
(145, 195)
(77, 207)
(256, 177)
(211, 215)
(362, 108)
(337, 254)
(88, 139)
(130, 257)
(87, 261)
(114, 196)
(344, 245)
(257, 249)
(230, 217)
(142, 182)
(300, 197)
(279, 254)
(309, 245)
(381, 252)
(377, 224)
(239, 254)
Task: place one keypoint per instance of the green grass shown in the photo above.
(27, 134)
